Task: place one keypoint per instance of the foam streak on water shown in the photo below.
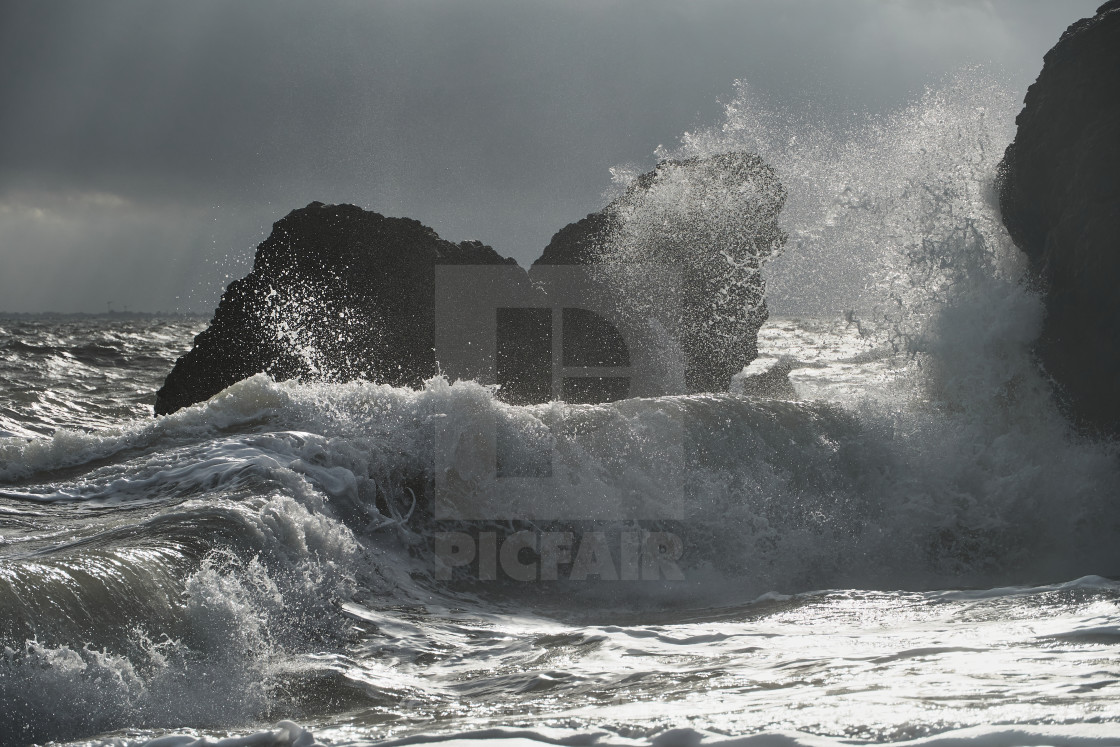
(903, 544)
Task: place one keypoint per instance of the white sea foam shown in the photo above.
(286, 525)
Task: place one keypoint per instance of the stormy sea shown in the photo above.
(888, 530)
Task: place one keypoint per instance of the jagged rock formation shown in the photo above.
(340, 293)
(335, 292)
(1060, 198)
(688, 240)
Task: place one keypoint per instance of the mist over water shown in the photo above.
(261, 556)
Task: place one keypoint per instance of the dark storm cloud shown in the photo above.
(489, 120)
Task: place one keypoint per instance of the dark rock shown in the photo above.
(1060, 198)
(339, 293)
(336, 292)
(768, 378)
(699, 230)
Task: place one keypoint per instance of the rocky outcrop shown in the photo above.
(1060, 198)
(339, 293)
(336, 292)
(689, 240)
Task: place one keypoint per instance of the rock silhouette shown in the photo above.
(340, 293)
(1060, 199)
(687, 242)
(336, 292)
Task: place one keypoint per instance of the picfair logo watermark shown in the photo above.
(555, 334)
(552, 556)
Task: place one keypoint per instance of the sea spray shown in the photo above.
(908, 199)
(277, 536)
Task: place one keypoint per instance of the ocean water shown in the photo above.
(904, 543)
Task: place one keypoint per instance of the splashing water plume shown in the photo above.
(271, 548)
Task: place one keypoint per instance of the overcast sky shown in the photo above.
(147, 147)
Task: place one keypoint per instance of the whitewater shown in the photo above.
(904, 542)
